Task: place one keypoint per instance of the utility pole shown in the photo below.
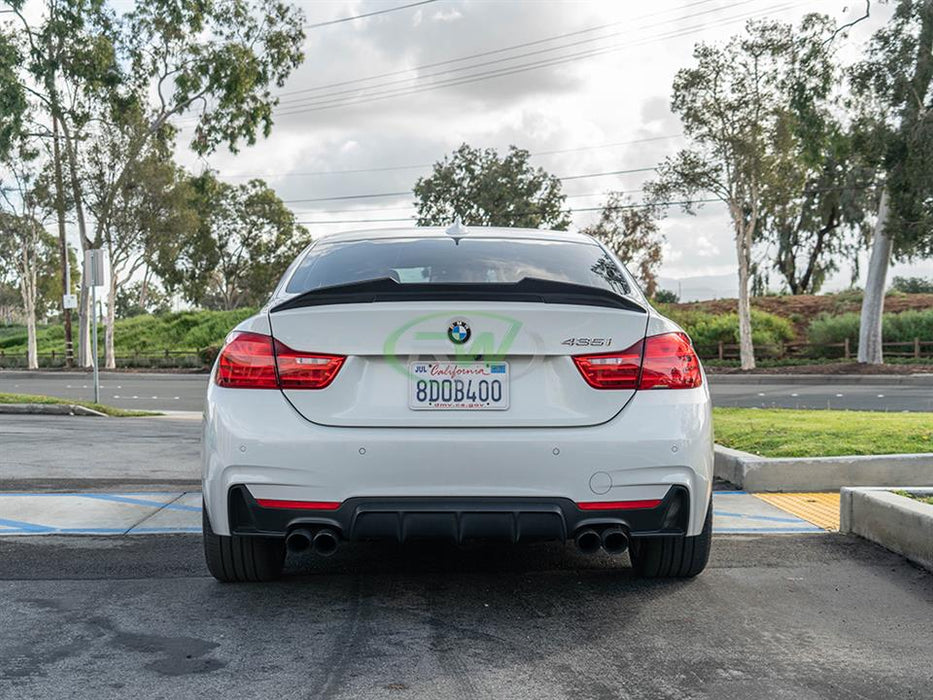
(63, 244)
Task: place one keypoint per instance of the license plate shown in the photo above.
(459, 386)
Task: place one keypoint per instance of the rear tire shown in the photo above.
(673, 557)
(237, 559)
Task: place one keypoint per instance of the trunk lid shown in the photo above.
(380, 340)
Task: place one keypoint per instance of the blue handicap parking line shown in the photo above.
(771, 530)
(772, 518)
(20, 526)
(138, 501)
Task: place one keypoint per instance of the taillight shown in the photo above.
(616, 370)
(247, 361)
(301, 370)
(670, 363)
(256, 361)
(658, 362)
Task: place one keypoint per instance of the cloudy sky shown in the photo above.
(583, 85)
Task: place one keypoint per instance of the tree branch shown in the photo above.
(849, 25)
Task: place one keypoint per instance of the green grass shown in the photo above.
(790, 433)
(917, 497)
(183, 331)
(109, 410)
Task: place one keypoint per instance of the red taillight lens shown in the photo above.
(247, 361)
(256, 361)
(670, 363)
(300, 370)
(658, 362)
(616, 370)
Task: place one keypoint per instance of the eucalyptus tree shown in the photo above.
(245, 238)
(22, 235)
(151, 204)
(817, 195)
(213, 63)
(631, 231)
(894, 89)
(730, 103)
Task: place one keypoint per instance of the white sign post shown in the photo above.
(94, 278)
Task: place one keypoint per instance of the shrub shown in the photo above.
(896, 328)
(666, 296)
(912, 285)
(769, 332)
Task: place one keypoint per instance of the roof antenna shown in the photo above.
(457, 231)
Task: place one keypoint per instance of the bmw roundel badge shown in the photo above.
(458, 332)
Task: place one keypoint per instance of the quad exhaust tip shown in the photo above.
(298, 541)
(614, 540)
(323, 543)
(588, 541)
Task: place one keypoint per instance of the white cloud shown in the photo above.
(615, 95)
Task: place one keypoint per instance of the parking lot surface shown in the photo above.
(777, 616)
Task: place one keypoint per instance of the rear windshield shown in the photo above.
(444, 261)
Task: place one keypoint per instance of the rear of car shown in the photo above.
(490, 384)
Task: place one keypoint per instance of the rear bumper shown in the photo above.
(459, 519)
(254, 440)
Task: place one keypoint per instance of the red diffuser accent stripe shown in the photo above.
(619, 505)
(298, 505)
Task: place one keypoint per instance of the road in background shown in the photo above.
(850, 396)
(791, 616)
(185, 392)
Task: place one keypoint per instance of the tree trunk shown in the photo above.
(110, 360)
(84, 354)
(28, 290)
(743, 247)
(63, 244)
(869, 335)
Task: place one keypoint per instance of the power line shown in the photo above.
(334, 95)
(327, 104)
(399, 194)
(387, 168)
(569, 211)
(409, 207)
(482, 54)
(367, 14)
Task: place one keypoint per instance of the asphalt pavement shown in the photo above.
(185, 392)
(70, 452)
(812, 616)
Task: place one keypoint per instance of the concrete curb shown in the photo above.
(49, 409)
(920, 379)
(754, 473)
(895, 522)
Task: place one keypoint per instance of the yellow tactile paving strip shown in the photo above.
(821, 509)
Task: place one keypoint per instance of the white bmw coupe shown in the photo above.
(459, 384)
